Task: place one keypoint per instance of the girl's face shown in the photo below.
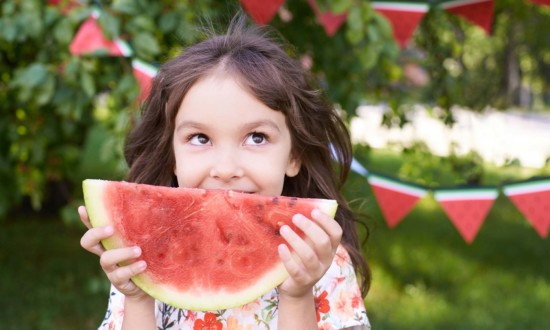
(225, 138)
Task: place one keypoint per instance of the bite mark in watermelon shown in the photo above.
(205, 249)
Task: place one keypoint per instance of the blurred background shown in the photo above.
(447, 101)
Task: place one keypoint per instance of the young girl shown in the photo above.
(236, 112)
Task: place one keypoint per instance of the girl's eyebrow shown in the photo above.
(189, 124)
(246, 126)
(260, 123)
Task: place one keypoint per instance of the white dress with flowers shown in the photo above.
(338, 303)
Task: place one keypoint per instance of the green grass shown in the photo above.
(424, 275)
(47, 281)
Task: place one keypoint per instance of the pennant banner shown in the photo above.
(331, 22)
(532, 198)
(262, 11)
(467, 208)
(404, 18)
(396, 198)
(90, 40)
(478, 12)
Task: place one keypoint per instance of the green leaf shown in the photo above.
(143, 23)
(46, 90)
(63, 31)
(88, 84)
(30, 77)
(110, 25)
(146, 46)
(168, 22)
(125, 6)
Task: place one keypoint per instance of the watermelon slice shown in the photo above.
(205, 249)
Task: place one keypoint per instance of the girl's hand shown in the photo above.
(119, 276)
(312, 255)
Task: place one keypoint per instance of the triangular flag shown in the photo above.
(532, 198)
(478, 12)
(144, 74)
(404, 18)
(89, 39)
(330, 22)
(467, 208)
(262, 11)
(395, 198)
(541, 2)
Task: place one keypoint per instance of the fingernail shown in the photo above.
(141, 265)
(137, 251)
(297, 219)
(284, 229)
(315, 213)
(109, 230)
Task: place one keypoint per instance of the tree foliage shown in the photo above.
(64, 114)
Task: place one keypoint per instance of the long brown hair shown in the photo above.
(320, 139)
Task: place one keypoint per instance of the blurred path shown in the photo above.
(499, 137)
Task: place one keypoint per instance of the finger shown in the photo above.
(91, 240)
(329, 225)
(292, 266)
(120, 277)
(110, 259)
(306, 254)
(84, 216)
(316, 237)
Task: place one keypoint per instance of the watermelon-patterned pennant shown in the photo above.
(331, 22)
(395, 198)
(404, 18)
(532, 198)
(262, 11)
(478, 12)
(467, 208)
(144, 74)
(90, 40)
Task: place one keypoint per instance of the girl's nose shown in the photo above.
(226, 167)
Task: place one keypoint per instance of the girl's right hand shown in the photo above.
(119, 276)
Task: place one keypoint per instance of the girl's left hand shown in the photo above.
(312, 255)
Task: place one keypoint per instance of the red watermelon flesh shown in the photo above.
(205, 249)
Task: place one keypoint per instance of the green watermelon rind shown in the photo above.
(199, 300)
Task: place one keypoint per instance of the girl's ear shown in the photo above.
(293, 167)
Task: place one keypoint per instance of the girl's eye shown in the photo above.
(199, 139)
(256, 139)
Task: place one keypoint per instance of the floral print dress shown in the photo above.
(338, 303)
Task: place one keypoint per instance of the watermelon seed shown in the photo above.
(275, 200)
